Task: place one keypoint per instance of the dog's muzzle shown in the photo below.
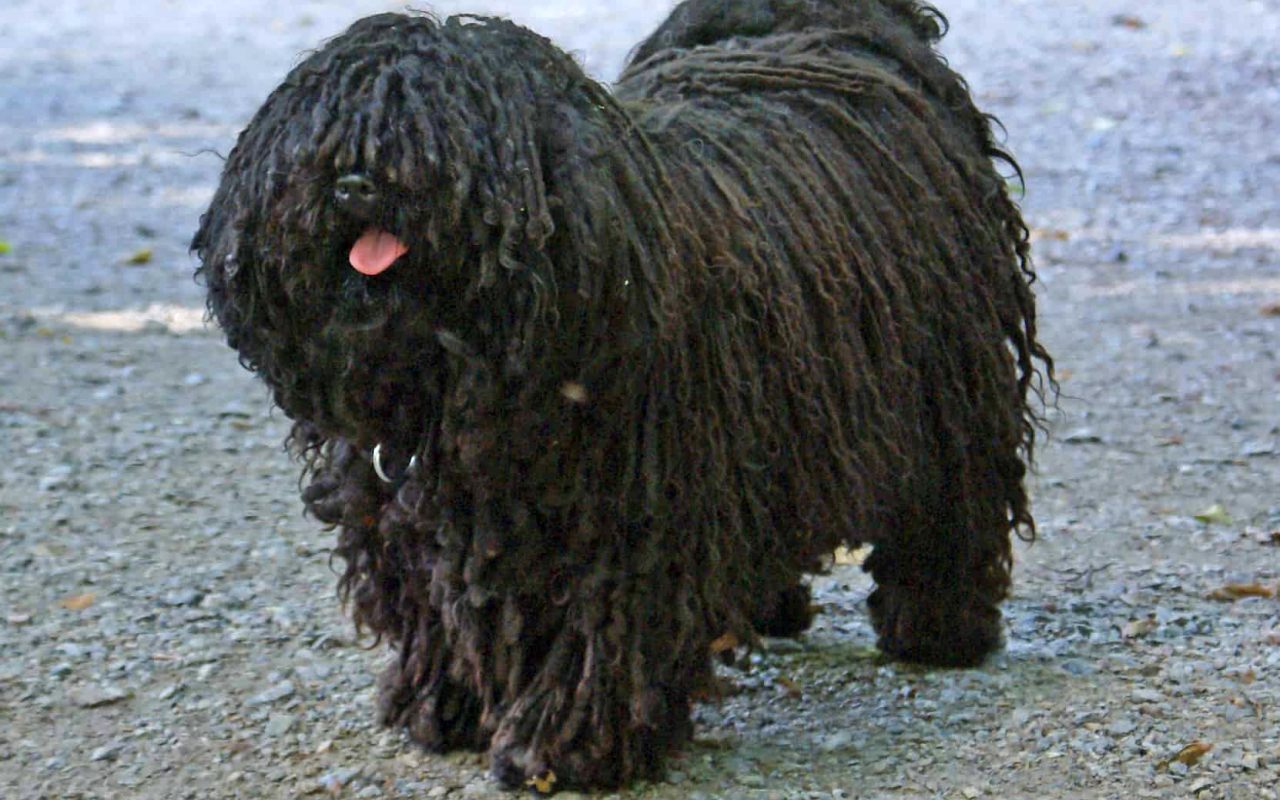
(357, 195)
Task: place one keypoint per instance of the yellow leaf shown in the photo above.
(1138, 627)
(542, 784)
(1214, 515)
(574, 392)
(790, 687)
(142, 256)
(78, 602)
(1193, 752)
(846, 557)
(724, 643)
(1053, 234)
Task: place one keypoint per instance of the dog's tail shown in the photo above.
(705, 22)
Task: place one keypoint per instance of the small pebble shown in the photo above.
(183, 597)
(1122, 727)
(280, 724)
(276, 693)
(108, 752)
(98, 696)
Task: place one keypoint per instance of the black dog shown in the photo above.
(589, 381)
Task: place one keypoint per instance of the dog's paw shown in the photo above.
(939, 630)
(517, 767)
(789, 614)
(441, 718)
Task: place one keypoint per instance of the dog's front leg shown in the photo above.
(611, 694)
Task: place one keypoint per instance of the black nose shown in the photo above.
(357, 195)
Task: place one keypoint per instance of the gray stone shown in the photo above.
(109, 752)
(280, 724)
(275, 694)
(1122, 727)
(98, 695)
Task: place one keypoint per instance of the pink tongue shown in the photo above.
(376, 251)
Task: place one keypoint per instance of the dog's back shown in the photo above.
(696, 23)
(893, 36)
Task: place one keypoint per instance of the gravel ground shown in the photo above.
(167, 617)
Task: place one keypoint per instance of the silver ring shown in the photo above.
(377, 463)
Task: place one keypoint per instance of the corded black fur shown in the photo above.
(650, 355)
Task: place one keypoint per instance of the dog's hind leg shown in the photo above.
(939, 585)
(785, 613)
(935, 610)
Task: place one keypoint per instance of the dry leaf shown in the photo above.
(791, 688)
(1082, 436)
(142, 256)
(846, 557)
(724, 644)
(1193, 752)
(1053, 234)
(574, 392)
(1128, 21)
(1214, 515)
(78, 602)
(542, 784)
(1235, 591)
(1271, 310)
(1138, 627)
(1269, 537)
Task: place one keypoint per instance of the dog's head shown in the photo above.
(403, 187)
